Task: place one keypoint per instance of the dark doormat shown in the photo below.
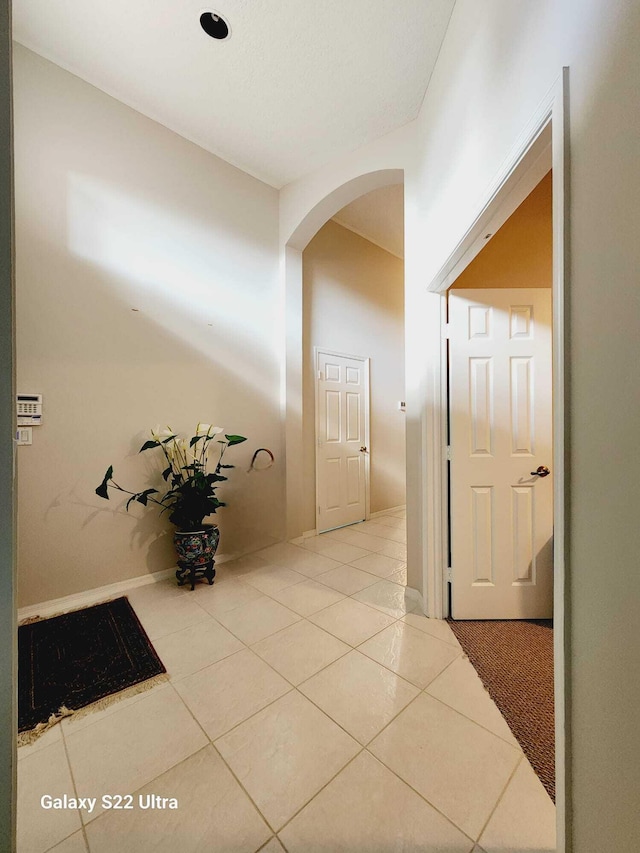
(71, 661)
(514, 660)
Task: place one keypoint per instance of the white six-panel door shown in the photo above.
(342, 439)
(500, 433)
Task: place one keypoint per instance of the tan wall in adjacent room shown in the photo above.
(520, 254)
(354, 304)
(115, 212)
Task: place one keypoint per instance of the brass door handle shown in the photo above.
(541, 471)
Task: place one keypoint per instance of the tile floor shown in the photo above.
(308, 710)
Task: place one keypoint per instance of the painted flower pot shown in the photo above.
(196, 552)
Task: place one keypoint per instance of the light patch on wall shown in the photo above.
(177, 273)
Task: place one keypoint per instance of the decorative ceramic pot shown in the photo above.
(196, 551)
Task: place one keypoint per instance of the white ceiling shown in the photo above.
(378, 216)
(297, 83)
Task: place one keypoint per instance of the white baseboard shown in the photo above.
(299, 540)
(414, 596)
(101, 593)
(90, 596)
(386, 511)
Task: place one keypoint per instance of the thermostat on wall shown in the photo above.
(29, 409)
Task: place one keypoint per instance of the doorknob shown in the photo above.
(363, 450)
(541, 471)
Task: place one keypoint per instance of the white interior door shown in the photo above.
(501, 432)
(342, 439)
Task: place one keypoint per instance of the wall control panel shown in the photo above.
(29, 409)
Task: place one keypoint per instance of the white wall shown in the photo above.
(115, 212)
(498, 61)
(354, 304)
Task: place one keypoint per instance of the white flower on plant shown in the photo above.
(207, 429)
(162, 434)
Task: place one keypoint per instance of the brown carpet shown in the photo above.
(515, 663)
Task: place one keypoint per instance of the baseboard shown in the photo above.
(386, 511)
(101, 593)
(90, 596)
(415, 596)
(299, 540)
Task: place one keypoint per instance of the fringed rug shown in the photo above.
(71, 661)
(514, 660)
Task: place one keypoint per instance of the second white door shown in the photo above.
(501, 453)
(342, 431)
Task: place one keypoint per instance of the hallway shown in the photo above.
(308, 709)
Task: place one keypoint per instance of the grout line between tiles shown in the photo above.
(267, 843)
(300, 616)
(180, 678)
(244, 642)
(126, 702)
(415, 791)
(299, 619)
(294, 688)
(502, 793)
(456, 646)
(367, 748)
(518, 748)
(319, 791)
(170, 633)
(272, 702)
(67, 837)
(363, 745)
(219, 754)
(437, 675)
(242, 787)
(75, 787)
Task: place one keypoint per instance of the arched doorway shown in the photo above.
(310, 223)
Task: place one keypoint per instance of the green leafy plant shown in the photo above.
(191, 495)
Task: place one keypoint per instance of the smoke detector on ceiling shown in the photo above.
(215, 26)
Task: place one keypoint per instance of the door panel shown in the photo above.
(501, 430)
(343, 401)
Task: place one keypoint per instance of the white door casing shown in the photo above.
(500, 397)
(342, 439)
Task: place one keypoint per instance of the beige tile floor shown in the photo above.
(308, 710)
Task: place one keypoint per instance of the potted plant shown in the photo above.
(191, 494)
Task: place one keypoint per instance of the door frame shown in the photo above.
(317, 351)
(8, 460)
(544, 140)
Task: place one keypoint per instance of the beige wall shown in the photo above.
(520, 253)
(498, 61)
(354, 304)
(115, 212)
